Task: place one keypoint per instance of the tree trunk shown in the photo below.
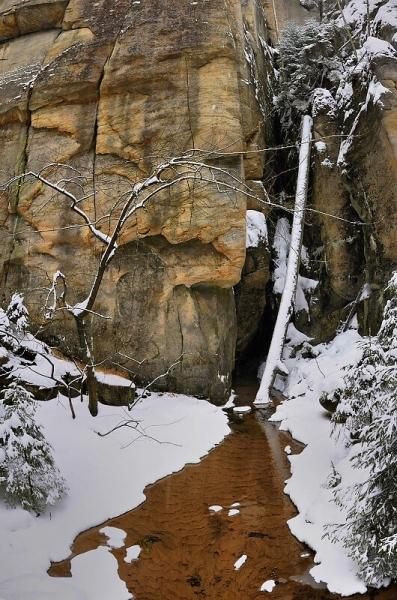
(92, 391)
(92, 388)
(273, 362)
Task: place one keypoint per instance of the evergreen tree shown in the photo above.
(14, 323)
(17, 313)
(368, 405)
(28, 473)
(306, 55)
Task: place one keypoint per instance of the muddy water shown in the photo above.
(188, 552)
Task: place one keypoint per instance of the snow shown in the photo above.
(45, 369)
(133, 553)
(374, 47)
(215, 508)
(370, 49)
(240, 561)
(233, 512)
(242, 409)
(376, 90)
(344, 93)
(355, 11)
(386, 15)
(94, 575)
(327, 163)
(115, 536)
(95, 572)
(111, 379)
(302, 415)
(230, 401)
(106, 477)
(374, 93)
(256, 229)
(268, 586)
(323, 101)
(281, 245)
(321, 147)
(304, 284)
(79, 308)
(282, 238)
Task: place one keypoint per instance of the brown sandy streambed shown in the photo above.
(188, 552)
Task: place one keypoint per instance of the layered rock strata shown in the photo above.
(111, 89)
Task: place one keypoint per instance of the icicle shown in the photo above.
(274, 363)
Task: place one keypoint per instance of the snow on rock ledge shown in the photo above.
(115, 390)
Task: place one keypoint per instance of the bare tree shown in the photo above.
(189, 167)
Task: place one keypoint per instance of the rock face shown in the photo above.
(364, 255)
(111, 88)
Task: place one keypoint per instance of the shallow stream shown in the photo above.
(189, 551)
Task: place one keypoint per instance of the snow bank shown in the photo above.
(106, 477)
(302, 415)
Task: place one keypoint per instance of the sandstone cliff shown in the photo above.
(113, 87)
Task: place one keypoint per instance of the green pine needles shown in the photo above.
(306, 55)
(368, 408)
(28, 474)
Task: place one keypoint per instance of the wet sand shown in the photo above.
(188, 552)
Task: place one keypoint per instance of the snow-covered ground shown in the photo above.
(106, 476)
(302, 415)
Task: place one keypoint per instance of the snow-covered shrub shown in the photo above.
(28, 474)
(17, 312)
(8, 341)
(368, 404)
(14, 322)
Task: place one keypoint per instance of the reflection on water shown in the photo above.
(189, 551)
